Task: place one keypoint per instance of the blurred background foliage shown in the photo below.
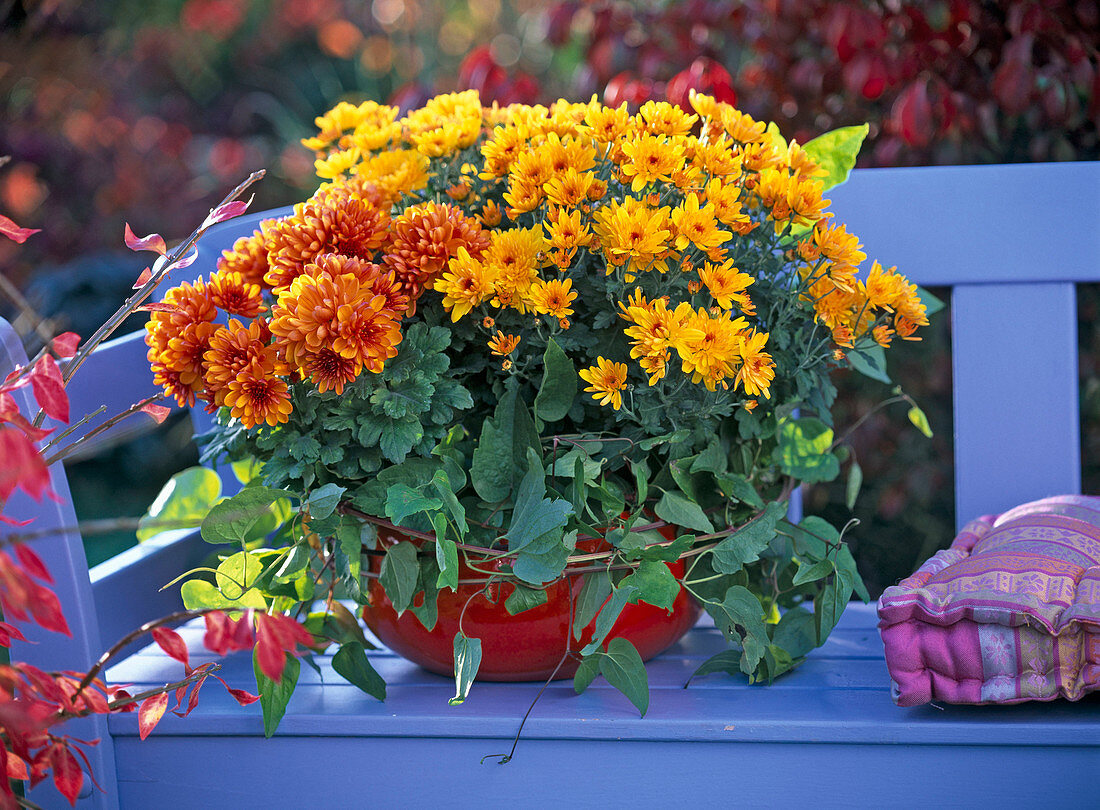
(146, 111)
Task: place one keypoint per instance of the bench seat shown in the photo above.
(827, 734)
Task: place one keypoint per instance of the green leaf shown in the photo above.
(587, 671)
(594, 592)
(870, 362)
(323, 500)
(728, 661)
(836, 153)
(641, 479)
(623, 668)
(274, 697)
(232, 520)
(246, 470)
(606, 618)
(534, 516)
(523, 598)
(655, 583)
(777, 661)
(740, 617)
(398, 575)
(713, 459)
(427, 612)
(795, 632)
(351, 663)
(674, 508)
(446, 557)
(501, 451)
(349, 534)
(399, 438)
(920, 421)
(829, 604)
(198, 594)
(855, 482)
(403, 501)
(737, 486)
(846, 566)
(559, 384)
(441, 483)
(812, 573)
(745, 545)
(183, 502)
(467, 663)
(932, 304)
(803, 450)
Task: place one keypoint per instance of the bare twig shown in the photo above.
(110, 423)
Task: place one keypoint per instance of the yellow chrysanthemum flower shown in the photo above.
(553, 297)
(502, 344)
(697, 225)
(465, 284)
(650, 159)
(606, 381)
(757, 367)
(727, 285)
(713, 355)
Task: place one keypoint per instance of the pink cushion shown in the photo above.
(1010, 612)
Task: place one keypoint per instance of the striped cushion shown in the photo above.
(1010, 612)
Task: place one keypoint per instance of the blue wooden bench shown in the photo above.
(1011, 242)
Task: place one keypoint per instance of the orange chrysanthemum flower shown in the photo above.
(424, 239)
(255, 396)
(757, 368)
(234, 348)
(231, 293)
(248, 256)
(336, 220)
(330, 371)
(503, 344)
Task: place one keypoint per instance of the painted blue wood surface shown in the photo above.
(1005, 238)
(827, 734)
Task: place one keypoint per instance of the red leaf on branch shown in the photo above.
(9, 632)
(153, 242)
(32, 563)
(67, 775)
(46, 609)
(13, 522)
(242, 697)
(16, 767)
(193, 701)
(49, 388)
(157, 306)
(223, 635)
(276, 635)
(43, 684)
(14, 232)
(120, 695)
(152, 709)
(227, 211)
(9, 412)
(187, 260)
(143, 279)
(171, 642)
(158, 412)
(23, 466)
(66, 344)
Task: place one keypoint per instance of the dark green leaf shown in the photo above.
(403, 501)
(399, 573)
(522, 599)
(740, 617)
(795, 632)
(594, 592)
(677, 510)
(608, 615)
(442, 485)
(737, 486)
(829, 604)
(274, 697)
(232, 520)
(559, 384)
(870, 362)
(713, 459)
(846, 566)
(655, 583)
(323, 500)
(352, 664)
(467, 662)
(728, 661)
(812, 573)
(641, 479)
(623, 668)
(586, 672)
(502, 449)
(745, 545)
(446, 557)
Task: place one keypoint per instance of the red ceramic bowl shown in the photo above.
(524, 647)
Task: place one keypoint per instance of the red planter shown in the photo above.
(524, 647)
